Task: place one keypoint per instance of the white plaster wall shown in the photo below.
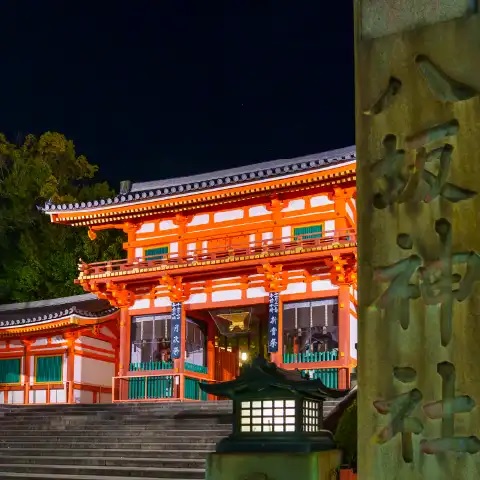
(140, 303)
(228, 215)
(138, 252)
(95, 342)
(104, 398)
(40, 341)
(96, 372)
(58, 339)
(16, 343)
(162, 302)
(31, 378)
(258, 211)
(65, 367)
(2, 397)
(202, 219)
(349, 211)
(321, 201)
(267, 236)
(77, 372)
(286, 234)
(37, 396)
(353, 336)
(294, 205)
(319, 285)
(146, 228)
(3, 344)
(107, 332)
(173, 249)
(167, 225)
(197, 298)
(225, 295)
(256, 292)
(81, 396)
(58, 396)
(191, 247)
(16, 397)
(329, 227)
(295, 288)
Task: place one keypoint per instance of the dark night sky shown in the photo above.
(151, 89)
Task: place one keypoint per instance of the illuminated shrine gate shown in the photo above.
(224, 266)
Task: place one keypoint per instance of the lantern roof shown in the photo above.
(264, 378)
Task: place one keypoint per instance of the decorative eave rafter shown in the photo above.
(75, 321)
(134, 210)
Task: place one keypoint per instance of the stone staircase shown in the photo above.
(112, 441)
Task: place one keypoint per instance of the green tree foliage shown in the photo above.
(38, 259)
(346, 434)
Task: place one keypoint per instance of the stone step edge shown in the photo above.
(66, 476)
(98, 467)
(91, 433)
(109, 459)
(8, 451)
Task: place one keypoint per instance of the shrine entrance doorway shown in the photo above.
(240, 335)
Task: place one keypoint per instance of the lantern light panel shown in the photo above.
(267, 416)
(311, 416)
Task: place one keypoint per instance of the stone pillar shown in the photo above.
(418, 178)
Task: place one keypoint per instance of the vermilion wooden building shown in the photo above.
(223, 266)
(58, 351)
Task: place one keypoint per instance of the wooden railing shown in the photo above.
(49, 389)
(291, 244)
(160, 385)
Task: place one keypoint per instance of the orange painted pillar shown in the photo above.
(344, 332)
(27, 358)
(71, 338)
(124, 355)
(211, 350)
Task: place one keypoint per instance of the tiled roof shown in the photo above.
(19, 314)
(208, 181)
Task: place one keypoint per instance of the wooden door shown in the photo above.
(226, 365)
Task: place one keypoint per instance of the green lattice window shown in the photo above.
(308, 233)
(10, 370)
(157, 253)
(48, 369)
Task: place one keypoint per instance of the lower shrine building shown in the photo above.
(58, 351)
(219, 268)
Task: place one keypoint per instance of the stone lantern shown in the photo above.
(275, 410)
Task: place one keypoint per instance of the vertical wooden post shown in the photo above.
(130, 229)
(27, 359)
(344, 323)
(178, 293)
(211, 367)
(124, 354)
(71, 338)
(418, 180)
